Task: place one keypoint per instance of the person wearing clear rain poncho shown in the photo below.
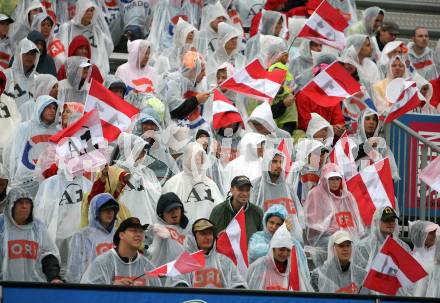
(421, 55)
(319, 129)
(212, 16)
(25, 14)
(272, 272)
(31, 138)
(430, 286)
(3, 187)
(93, 240)
(58, 206)
(75, 87)
(271, 189)
(198, 193)
(122, 265)
(330, 207)
(228, 48)
(249, 162)
(44, 84)
(185, 91)
(370, 22)
(136, 73)
(142, 189)
(26, 252)
(423, 235)
(301, 65)
(383, 224)
(21, 75)
(247, 9)
(371, 147)
(169, 233)
(219, 270)
(272, 23)
(90, 22)
(6, 47)
(338, 274)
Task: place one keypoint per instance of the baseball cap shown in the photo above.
(202, 224)
(334, 174)
(388, 213)
(167, 202)
(110, 204)
(131, 222)
(341, 236)
(239, 181)
(390, 27)
(84, 64)
(4, 17)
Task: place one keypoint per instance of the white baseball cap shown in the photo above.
(341, 236)
(334, 174)
(4, 17)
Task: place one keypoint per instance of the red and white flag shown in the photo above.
(294, 274)
(81, 146)
(331, 86)
(393, 268)
(282, 147)
(232, 242)
(184, 264)
(224, 112)
(408, 100)
(342, 156)
(255, 81)
(431, 174)
(115, 113)
(372, 188)
(326, 25)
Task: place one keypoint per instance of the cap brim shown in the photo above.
(334, 174)
(84, 64)
(240, 184)
(343, 239)
(172, 206)
(204, 228)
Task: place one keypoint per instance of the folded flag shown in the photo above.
(342, 155)
(256, 82)
(224, 112)
(232, 242)
(331, 86)
(372, 188)
(326, 25)
(393, 268)
(115, 113)
(184, 264)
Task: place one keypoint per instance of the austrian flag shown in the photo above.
(184, 264)
(393, 268)
(256, 82)
(325, 26)
(331, 86)
(224, 112)
(116, 114)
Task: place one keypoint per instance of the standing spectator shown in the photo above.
(421, 55)
(387, 32)
(223, 213)
(6, 49)
(45, 65)
(26, 252)
(76, 85)
(123, 265)
(25, 12)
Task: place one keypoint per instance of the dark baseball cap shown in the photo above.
(240, 181)
(167, 202)
(131, 222)
(388, 214)
(391, 27)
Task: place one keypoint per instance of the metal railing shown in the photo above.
(412, 152)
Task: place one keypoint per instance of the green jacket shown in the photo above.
(223, 214)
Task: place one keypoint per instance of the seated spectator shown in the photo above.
(304, 62)
(387, 32)
(9, 115)
(330, 207)
(76, 85)
(169, 233)
(25, 14)
(19, 229)
(219, 271)
(45, 65)
(6, 49)
(390, 50)
(423, 235)
(421, 55)
(122, 265)
(370, 22)
(272, 272)
(338, 274)
(115, 85)
(319, 129)
(223, 213)
(93, 240)
(432, 289)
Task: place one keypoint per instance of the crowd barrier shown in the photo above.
(415, 140)
(13, 292)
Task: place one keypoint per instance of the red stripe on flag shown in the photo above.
(244, 89)
(100, 92)
(257, 71)
(72, 129)
(243, 238)
(159, 272)
(360, 192)
(384, 171)
(317, 95)
(311, 33)
(332, 16)
(110, 131)
(406, 263)
(293, 275)
(382, 283)
(224, 246)
(344, 79)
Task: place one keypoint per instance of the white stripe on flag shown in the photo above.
(265, 86)
(234, 234)
(319, 25)
(409, 94)
(107, 113)
(372, 181)
(330, 86)
(385, 264)
(221, 107)
(172, 270)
